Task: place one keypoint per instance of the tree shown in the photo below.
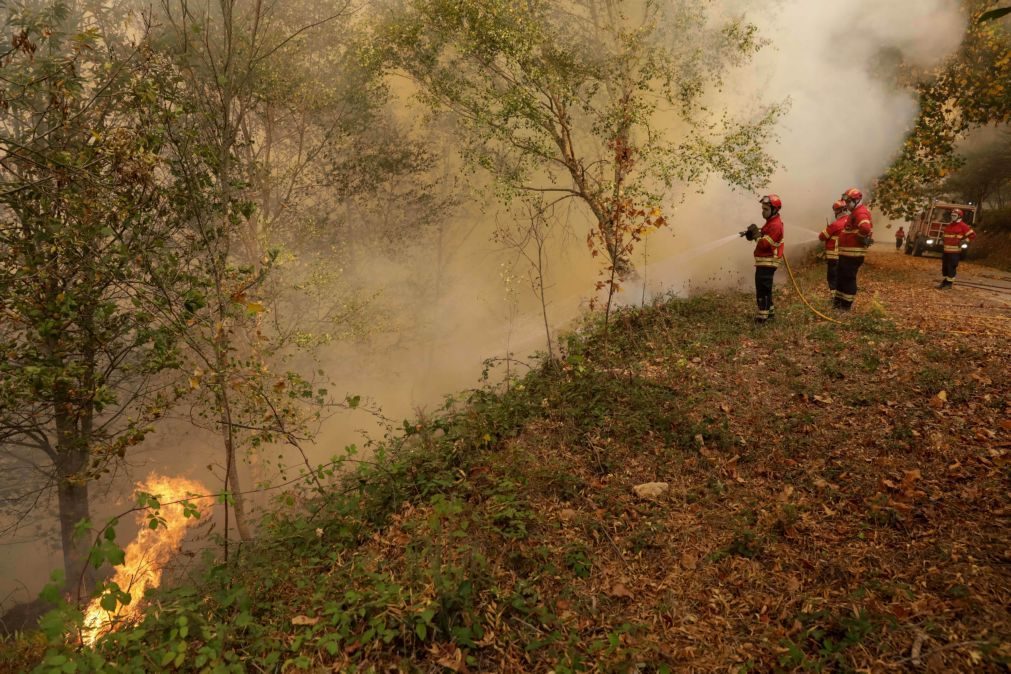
(970, 90)
(984, 172)
(262, 106)
(83, 216)
(218, 51)
(600, 101)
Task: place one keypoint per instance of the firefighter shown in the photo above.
(831, 238)
(956, 234)
(768, 253)
(853, 243)
(899, 237)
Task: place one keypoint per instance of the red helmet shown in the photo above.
(839, 206)
(853, 193)
(772, 200)
(956, 214)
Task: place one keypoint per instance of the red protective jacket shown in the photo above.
(769, 249)
(954, 233)
(900, 234)
(858, 226)
(831, 237)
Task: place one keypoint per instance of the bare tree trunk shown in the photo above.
(544, 300)
(232, 484)
(73, 500)
(72, 493)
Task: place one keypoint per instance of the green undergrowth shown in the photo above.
(443, 551)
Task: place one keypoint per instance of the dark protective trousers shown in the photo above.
(898, 244)
(846, 283)
(949, 266)
(763, 292)
(832, 273)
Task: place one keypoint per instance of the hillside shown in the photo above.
(837, 501)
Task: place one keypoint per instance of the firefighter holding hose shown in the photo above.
(854, 240)
(830, 235)
(768, 254)
(957, 236)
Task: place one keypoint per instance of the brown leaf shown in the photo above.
(938, 401)
(689, 562)
(304, 620)
(567, 514)
(453, 661)
(619, 591)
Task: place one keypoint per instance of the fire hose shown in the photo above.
(803, 299)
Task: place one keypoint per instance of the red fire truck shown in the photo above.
(925, 232)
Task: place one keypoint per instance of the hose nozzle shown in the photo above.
(751, 233)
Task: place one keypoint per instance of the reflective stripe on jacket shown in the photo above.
(830, 235)
(954, 233)
(769, 248)
(858, 226)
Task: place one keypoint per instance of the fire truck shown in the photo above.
(925, 233)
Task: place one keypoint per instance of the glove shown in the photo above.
(751, 233)
(866, 241)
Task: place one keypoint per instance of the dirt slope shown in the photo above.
(837, 499)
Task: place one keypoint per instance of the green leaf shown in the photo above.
(108, 602)
(52, 593)
(82, 528)
(421, 630)
(994, 14)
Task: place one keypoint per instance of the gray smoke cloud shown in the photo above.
(846, 121)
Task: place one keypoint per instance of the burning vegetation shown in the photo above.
(164, 520)
(211, 212)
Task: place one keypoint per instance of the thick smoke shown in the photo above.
(833, 64)
(845, 122)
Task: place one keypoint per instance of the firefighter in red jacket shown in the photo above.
(899, 236)
(768, 254)
(956, 233)
(853, 243)
(830, 236)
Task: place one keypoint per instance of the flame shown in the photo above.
(147, 555)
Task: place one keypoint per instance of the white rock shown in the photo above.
(650, 489)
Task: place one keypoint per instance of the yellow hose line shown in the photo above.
(804, 299)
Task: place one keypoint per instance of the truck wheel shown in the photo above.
(907, 249)
(918, 248)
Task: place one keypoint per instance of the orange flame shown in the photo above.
(147, 555)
